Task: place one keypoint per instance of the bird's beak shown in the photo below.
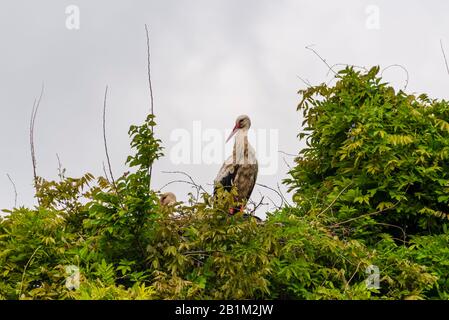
(233, 132)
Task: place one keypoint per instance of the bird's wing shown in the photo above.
(246, 180)
(226, 175)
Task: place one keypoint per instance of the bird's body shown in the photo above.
(241, 168)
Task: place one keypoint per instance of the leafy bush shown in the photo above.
(379, 156)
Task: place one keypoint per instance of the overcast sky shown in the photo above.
(211, 61)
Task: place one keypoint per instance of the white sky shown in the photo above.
(211, 61)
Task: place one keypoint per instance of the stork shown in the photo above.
(240, 169)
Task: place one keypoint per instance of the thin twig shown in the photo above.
(283, 197)
(355, 272)
(336, 198)
(256, 206)
(25, 269)
(276, 191)
(288, 154)
(15, 190)
(197, 186)
(444, 56)
(399, 66)
(309, 47)
(364, 215)
(34, 111)
(346, 65)
(60, 170)
(305, 81)
(178, 181)
(286, 163)
(105, 140)
(150, 170)
(105, 173)
(395, 226)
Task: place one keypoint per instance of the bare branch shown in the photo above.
(105, 173)
(34, 111)
(276, 191)
(444, 56)
(257, 205)
(15, 190)
(177, 181)
(60, 169)
(305, 81)
(192, 182)
(150, 170)
(283, 197)
(105, 140)
(287, 164)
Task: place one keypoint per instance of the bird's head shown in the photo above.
(243, 122)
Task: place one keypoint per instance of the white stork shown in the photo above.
(240, 169)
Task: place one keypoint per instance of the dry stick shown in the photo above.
(305, 81)
(286, 163)
(150, 170)
(105, 141)
(403, 68)
(275, 206)
(256, 206)
(283, 197)
(15, 190)
(278, 193)
(36, 105)
(261, 203)
(105, 173)
(444, 56)
(60, 170)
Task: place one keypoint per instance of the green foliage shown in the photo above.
(370, 190)
(379, 156)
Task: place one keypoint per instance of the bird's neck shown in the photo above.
(242, 152)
